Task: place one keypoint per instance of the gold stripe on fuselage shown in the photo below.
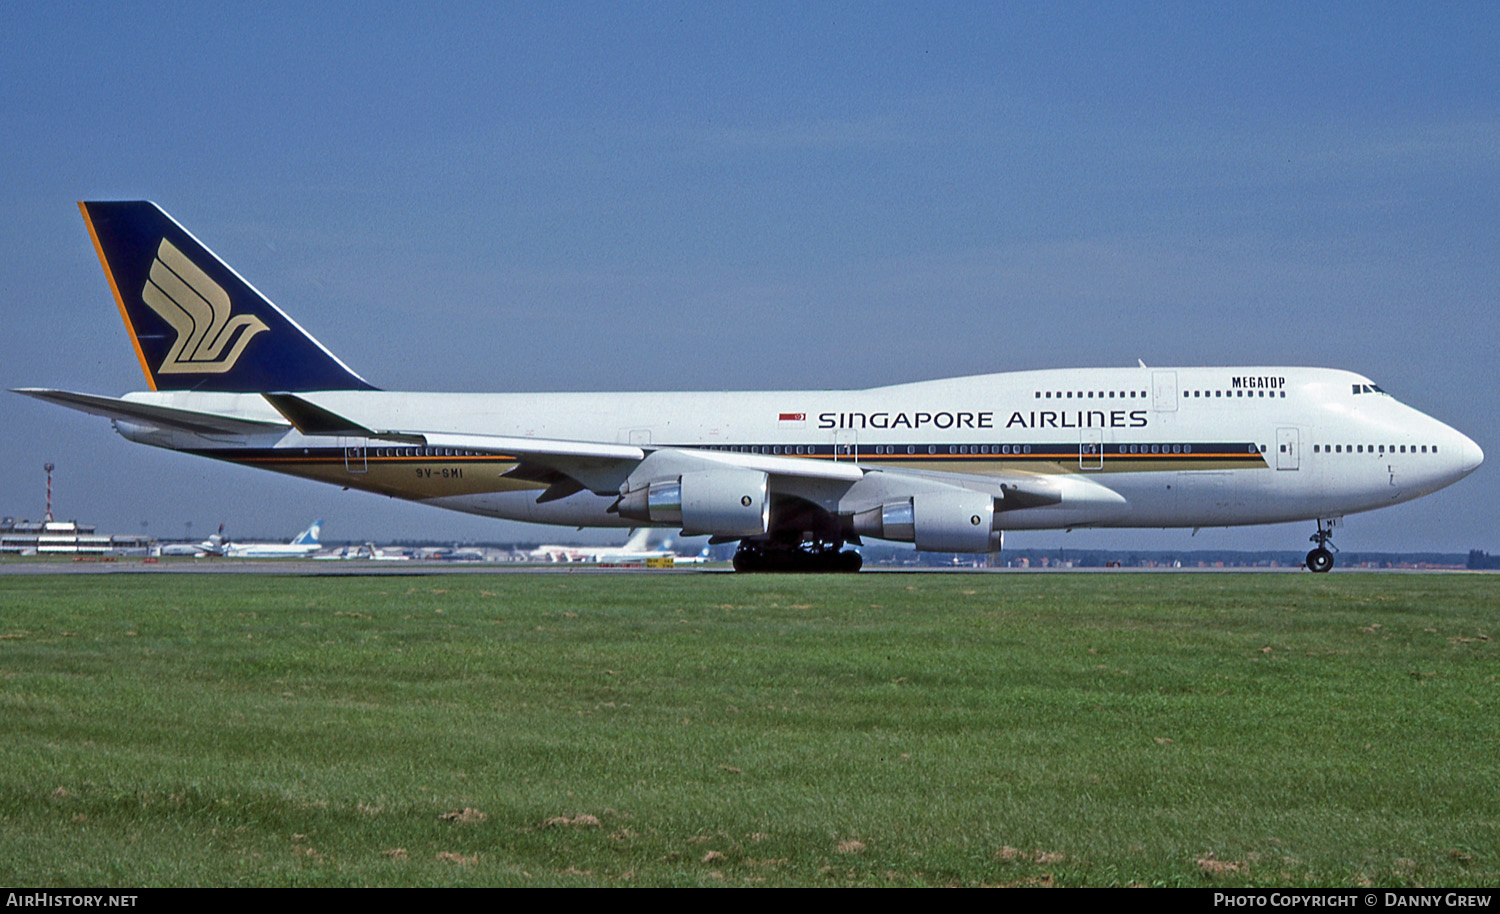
(422, 477)
(400, 477)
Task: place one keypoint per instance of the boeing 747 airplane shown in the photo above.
(793, 476)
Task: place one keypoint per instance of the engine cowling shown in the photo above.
(729, 502)
(958, 521)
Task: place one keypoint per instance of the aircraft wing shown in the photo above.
(565, 466)
(840, 486)
(165, 416)
(311, 419)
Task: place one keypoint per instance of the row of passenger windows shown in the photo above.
(932, 449)
(1373, 449)
(1193, 394)
(960, 449)
(988, 449)
(1131, 394)
(765, 448)
(421, 452)
(1087, 394)
(814, 450)
(1089, 448)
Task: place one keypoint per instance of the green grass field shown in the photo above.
(938, 729)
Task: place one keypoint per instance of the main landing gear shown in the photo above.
(1320, 559)
(805, 558)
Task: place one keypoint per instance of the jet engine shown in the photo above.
(727, 502)
(957, 521)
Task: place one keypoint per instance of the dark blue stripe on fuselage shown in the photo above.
(1161, 452)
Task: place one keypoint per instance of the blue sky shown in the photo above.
(734, 196)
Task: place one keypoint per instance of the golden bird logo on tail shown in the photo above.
(199, 310)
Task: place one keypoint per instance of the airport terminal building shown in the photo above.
(24, 537)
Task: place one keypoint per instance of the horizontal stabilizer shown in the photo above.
(311, 419)
(186, 420)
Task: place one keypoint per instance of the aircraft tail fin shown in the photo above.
(309, 537)
(197, 324)
(640, 540)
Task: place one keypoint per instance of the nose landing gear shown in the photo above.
(1320, 559)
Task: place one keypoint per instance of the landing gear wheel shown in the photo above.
(755, 558)
(1320, 559)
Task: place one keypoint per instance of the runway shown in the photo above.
(317, 569)
(355, 569)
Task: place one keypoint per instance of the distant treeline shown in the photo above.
(1479, 561)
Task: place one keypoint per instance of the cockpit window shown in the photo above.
(1367, 389)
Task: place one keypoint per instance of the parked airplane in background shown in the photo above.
(302, 545)
(216, 546)
(637, 548)
(701, 557)
(366, 551)
(213, 546)
(792, 476)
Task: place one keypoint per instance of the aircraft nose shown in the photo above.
(1470, 457)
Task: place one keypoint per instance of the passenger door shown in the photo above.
(1287, 456)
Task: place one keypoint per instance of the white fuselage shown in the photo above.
(269, 550)
(1128, 447)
